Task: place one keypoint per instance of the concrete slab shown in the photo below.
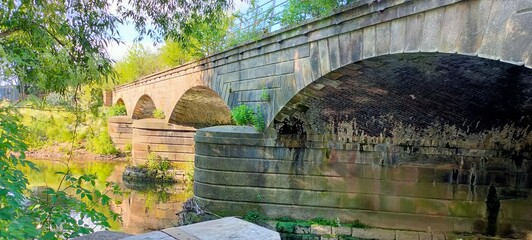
(228, 228)
(104, 235)
(157, 235)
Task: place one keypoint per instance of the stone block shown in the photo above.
(425, 236)
(398, 35)
(375, 233)
(453, 22)
(334, 52)
(302, 230)
(341, 231)
(325, 65)
(382, 45)
(438, 236)
(414, 30)
(368, 43)
(493, 36)
(432, 30)
(320, 229)
(406, 235)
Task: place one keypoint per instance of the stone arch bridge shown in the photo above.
(374, 85)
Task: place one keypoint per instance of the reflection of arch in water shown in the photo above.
(200, 107)
(144, 108)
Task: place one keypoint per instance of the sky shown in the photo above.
(128, 34)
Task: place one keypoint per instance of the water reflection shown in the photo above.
(144, 207)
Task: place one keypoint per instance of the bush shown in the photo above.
(245, 115)
(159, 114)
(117, 110)
(157, 163)
(101, 144)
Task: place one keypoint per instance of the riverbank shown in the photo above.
(60, 152)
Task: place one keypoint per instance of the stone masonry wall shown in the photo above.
(174, 142)
(120, 130)
(383, 185)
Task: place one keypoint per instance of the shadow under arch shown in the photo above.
(144, 108)
(200, 107)
(473, 94)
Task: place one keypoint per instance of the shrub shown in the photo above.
(101, 144)
(245, 115)
(265, 95)
(159, 114)
(117, 110)
(242, 115)
(157, 163)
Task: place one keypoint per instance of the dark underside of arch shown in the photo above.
(416, 90)
(144, 108)
(200, 107)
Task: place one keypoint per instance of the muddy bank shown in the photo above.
(62, 153)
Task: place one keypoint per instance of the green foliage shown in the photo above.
(298, 11)
(101, 144)
(245, 115)
(138, 62)
(265, 95)
(258, 120)
(242, 115)
(56, 44)
(127, 149)
(159, 114)
(254, 217)
(155, 162)
(117, 110)
(48, 214)
(325, 222)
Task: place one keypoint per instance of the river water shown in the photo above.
(144, 207)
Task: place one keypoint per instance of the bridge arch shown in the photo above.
(144, 108)
(120, 101)
(199, 107)
(468, 93)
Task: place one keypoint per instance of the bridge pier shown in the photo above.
(170, 141)
(120, 130)
(407, 185)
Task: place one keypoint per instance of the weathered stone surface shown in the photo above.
(229, 228)
(373, 234)
(320, 229)
(404, 235)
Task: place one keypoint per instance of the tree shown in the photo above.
(59, 45)
(299, 10)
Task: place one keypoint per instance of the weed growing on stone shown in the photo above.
(265, 95)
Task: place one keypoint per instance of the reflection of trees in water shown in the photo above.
(143, 206)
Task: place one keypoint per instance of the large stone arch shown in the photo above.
(496, 30)
(420, 90)
(200, 107)
(144, 108)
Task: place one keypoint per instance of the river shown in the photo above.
(143, 207)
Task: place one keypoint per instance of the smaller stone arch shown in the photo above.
(200, 107)
(120, 102)
(144, 108)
